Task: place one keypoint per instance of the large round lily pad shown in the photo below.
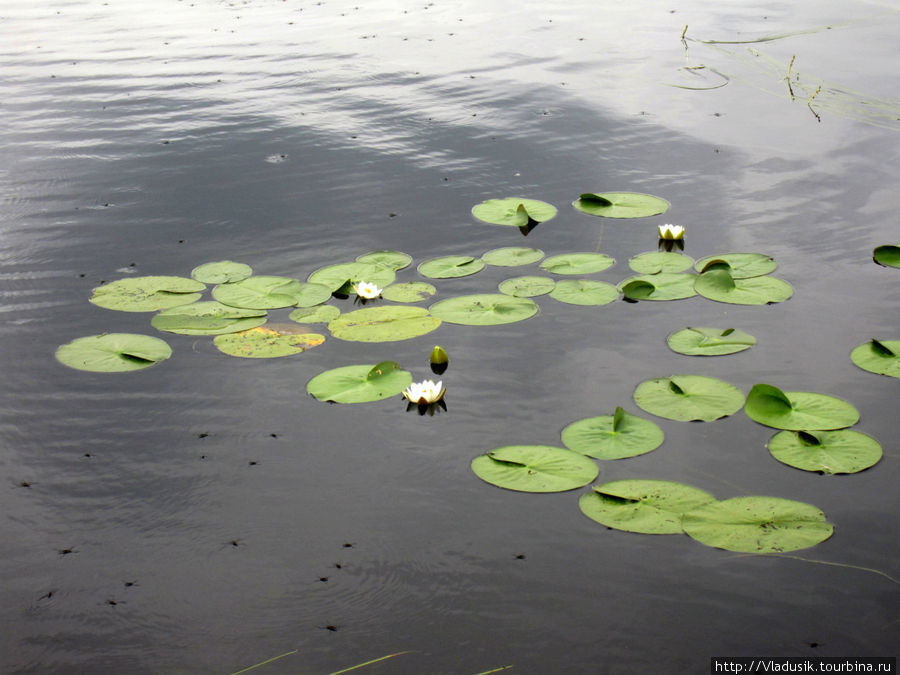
(887, 255)
(318, 314)
(798, 410)
(147, 294)
(620, 204)
(718, 284)
(644, 506)
(613, 436)
(757, 525)
(535, 468)
(207, 318)
(739, 265)
(222, 272)
(113, 352)
(383, 324)
(661, 286)
(526, 287)
(513, 211)
(577, 263)
(342, 276)
(701, 341)
(485, 309)
(688, 398)
(841, 451)
(878, 356)
(312, 294)
(512, 256)
(262, 292)
(359, 384)
(450, 267)
(654, 262)
(413, 291)
(584, 292)
(268, 342)
(394, 260)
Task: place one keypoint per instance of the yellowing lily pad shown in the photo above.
(526, 287)
(512, 256)
(614, 436)
(841, 451)
(688, 398)
(222, 272)
(113, 352)
(798, 410)
(267, 342)
(644, 506)
(487, 309)
(878, 356)
(577, 263)
(147, 294)
(359, 384)
(757, 525)
(535, 468)
(207, 318)
(584, 292)
(701, 341)
(450, 267)
(513, 211)
(383, 324)
(620, 204)
(414, 291)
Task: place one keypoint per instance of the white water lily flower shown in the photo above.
(670, 232)
(425, 392)
(367, 291)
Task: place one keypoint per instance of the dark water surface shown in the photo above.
(206, 514)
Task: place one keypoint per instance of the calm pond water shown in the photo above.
(206, 514)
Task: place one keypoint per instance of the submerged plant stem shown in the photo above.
(367, 663)
(826, 562)
(262, 663)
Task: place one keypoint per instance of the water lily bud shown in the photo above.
(439, 360)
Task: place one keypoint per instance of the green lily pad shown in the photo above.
(841, 451)
(113, 352)
(662, 286)
(486, 309)
(757, 525)
(267, 342)
(739, 265)
(359, 384)
(535, 468)
(261, 292)
(512, 256)
(318, 314)
(688, 398)
(147, 294)
(386, 323)
(655, 262)
(709, 341)
(342, 276)
(394, 260)
(450, 267)
(414, 291)
(887, 255)
(613, 436)
(526, 287)
(584, 292)
(513, 211)
(798, 410)
(312, 294)
(577, 263)
(878, 356)
(620, 204)
(644, 506)
(223, 272)
(719, 285)
(207, 318)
